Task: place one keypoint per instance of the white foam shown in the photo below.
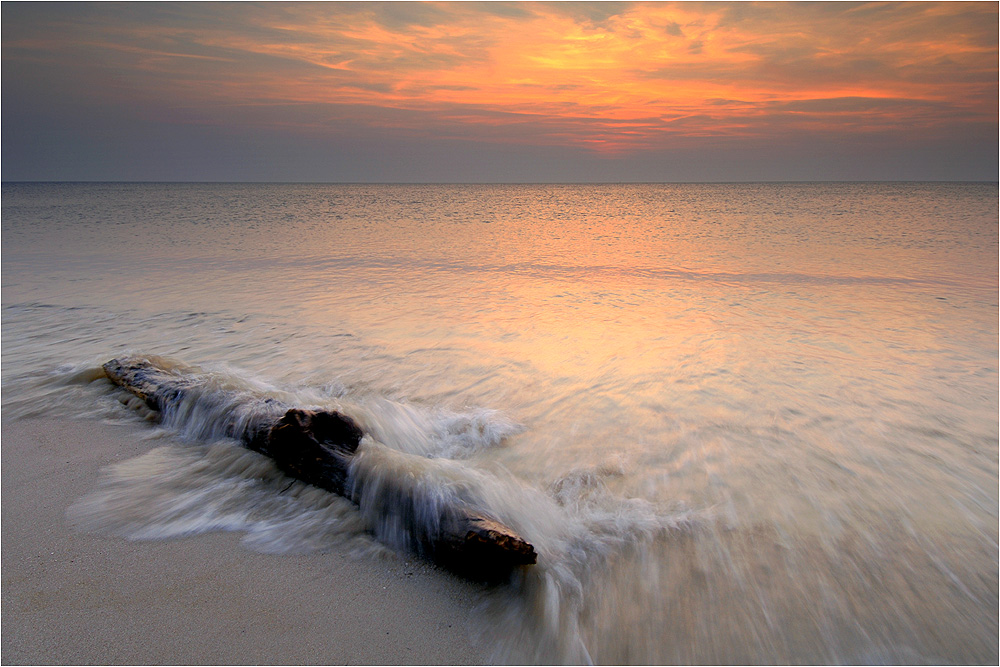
(173, 491)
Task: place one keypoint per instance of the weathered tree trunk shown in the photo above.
(317, 447)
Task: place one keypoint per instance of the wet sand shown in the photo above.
(77, 598)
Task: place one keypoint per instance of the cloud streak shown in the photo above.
(609, 78)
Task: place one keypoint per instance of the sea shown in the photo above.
(740, 423)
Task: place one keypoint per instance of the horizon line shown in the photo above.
(624, 182)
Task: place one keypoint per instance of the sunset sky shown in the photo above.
(500, 92)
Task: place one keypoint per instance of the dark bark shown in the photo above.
(316, 447)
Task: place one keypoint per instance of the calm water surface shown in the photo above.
(741, 423)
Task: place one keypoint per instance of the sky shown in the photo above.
(499, 92)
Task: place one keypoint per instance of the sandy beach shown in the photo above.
(76, 598)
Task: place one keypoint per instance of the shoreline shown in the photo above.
(77, 598)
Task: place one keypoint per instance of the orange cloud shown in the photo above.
(616, 78)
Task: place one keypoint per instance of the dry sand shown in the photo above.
(76, 598)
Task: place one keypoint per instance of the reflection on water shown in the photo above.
(746, 423)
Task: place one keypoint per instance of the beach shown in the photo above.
(739, 423)
(676, 322)
(71, 597)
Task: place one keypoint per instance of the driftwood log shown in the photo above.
(316, 447)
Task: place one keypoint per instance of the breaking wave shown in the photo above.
(413, 461)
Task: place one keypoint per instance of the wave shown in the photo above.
(599, 272)
(175, 491)
(224, 402)
(414, 463)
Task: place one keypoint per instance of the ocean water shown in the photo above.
(748, 423)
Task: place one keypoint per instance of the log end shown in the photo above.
(485, 550)
(119, 370)
(491, 538)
